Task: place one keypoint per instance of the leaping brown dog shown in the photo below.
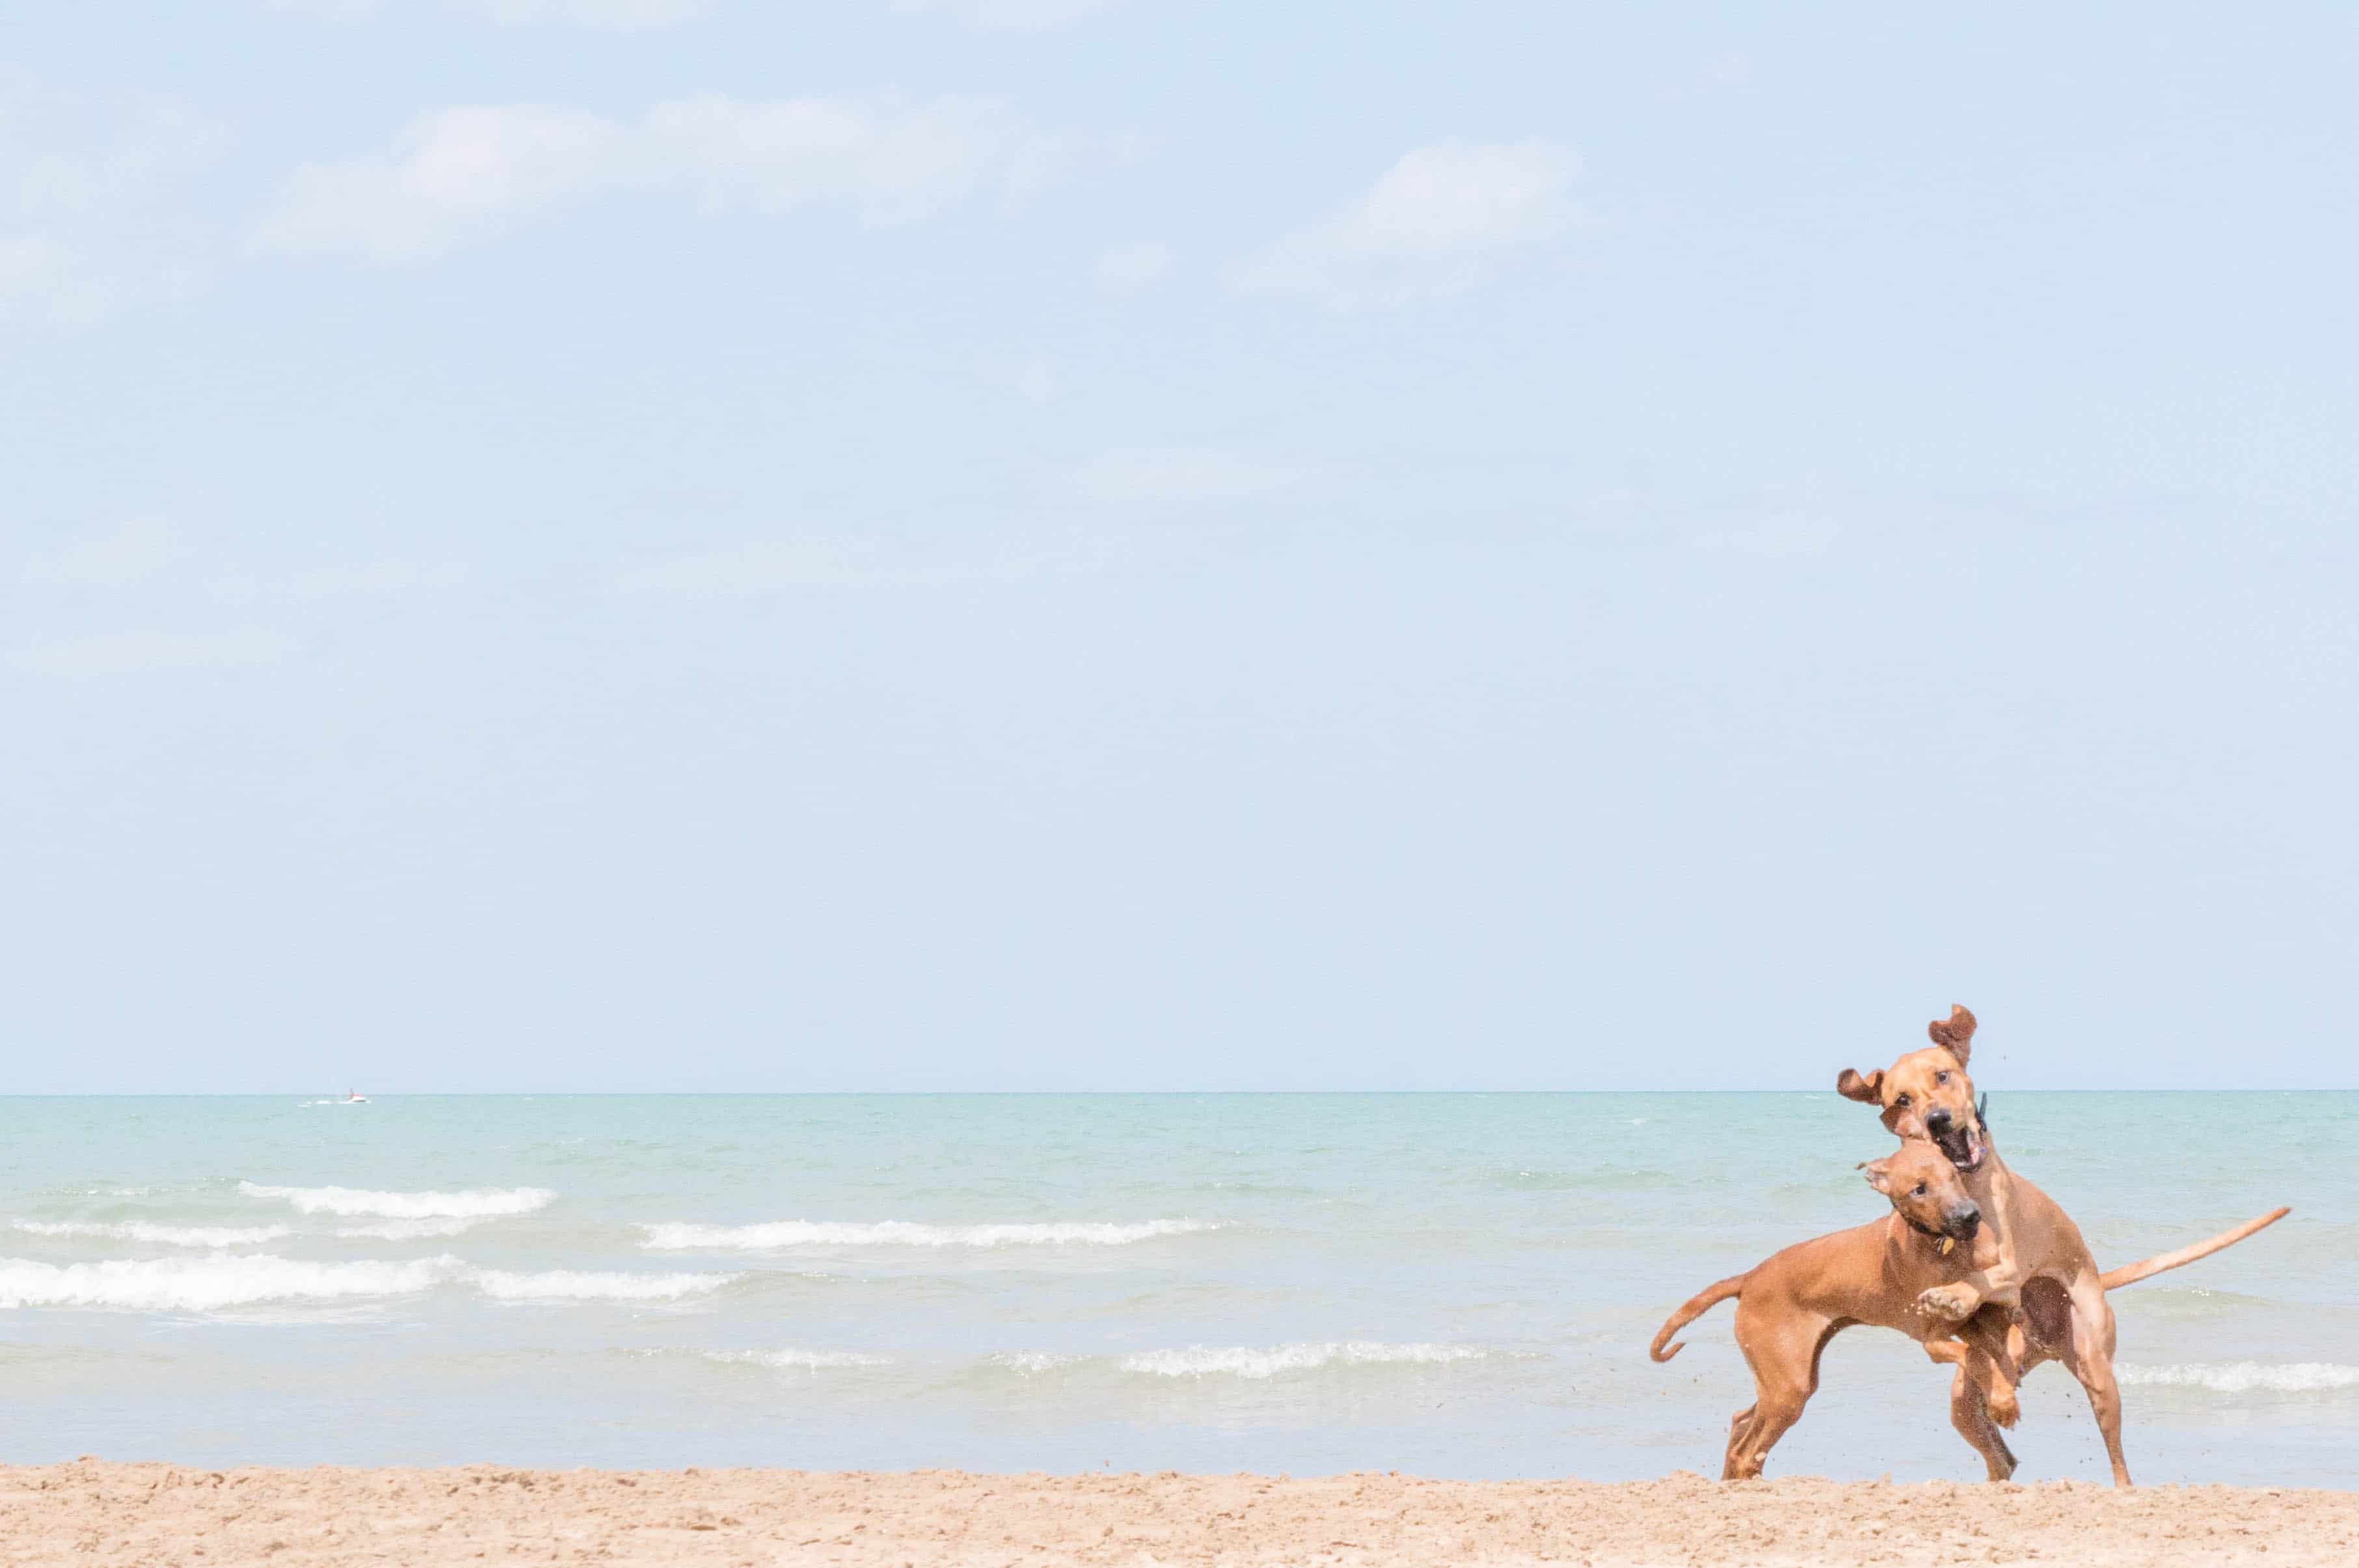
(2039, 1264)
(1789, 1305)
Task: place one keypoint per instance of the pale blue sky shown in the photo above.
(679, 544)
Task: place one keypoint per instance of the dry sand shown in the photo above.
(159, 1515)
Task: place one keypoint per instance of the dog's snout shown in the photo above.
(1966, 1219)
(1937, 1121)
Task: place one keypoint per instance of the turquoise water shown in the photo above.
(1454, 1285)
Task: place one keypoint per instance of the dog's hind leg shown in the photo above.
(1779, 1408)
(1784, 1357)
(1740, 1426)
(2090, 1356)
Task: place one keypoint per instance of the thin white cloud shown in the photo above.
(90, 216)
(1175, 475)
(610, 15)
(641, 16)
(1780, 535)
(462, 174)
(1035, 383)
(1731, 70)
(1443, 219)
(755, 568)
(372, 579)
(140, 547)
(738, 571)
(1727, 73)
(618, 16)
(1126, 269)
(140, 652)
(1011, 16)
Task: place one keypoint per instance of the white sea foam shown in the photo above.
(795, 1360)
(902, 1232)
(574, 1285)
(484, 1203)
(234, 1280)
(1035, 1360)
(208, 1284)
(165, 1235)
(1271, 1361)
(409, 1230)
(2244, 1377)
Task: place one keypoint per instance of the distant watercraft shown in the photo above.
(354, 1097)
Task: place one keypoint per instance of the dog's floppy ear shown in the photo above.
(1867, 1091)
(1878, 1173)
(1955, 1034)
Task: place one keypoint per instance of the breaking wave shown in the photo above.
(409, 1230)
(210, 1284)
(485, 1203)
(904, 1233)
(795, 1360)
(573, 1285)
(1249, 1361)
(2244, 1377)
(1272, 1361)
(163, 1236)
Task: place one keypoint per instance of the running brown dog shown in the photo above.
(2039, 1265)
(1790, 1304)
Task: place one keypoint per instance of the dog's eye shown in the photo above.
(1901, 1103)
(1921, 1191)
(1941, 1077)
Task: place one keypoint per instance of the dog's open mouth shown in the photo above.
(1964, 1146)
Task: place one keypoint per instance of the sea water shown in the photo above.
(1448, 1285)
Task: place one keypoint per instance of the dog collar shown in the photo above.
(1946, 1245)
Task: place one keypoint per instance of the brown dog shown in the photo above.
(2039, 1263)
(1789, 1305)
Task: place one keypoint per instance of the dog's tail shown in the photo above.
(1704, 1301)
(2131, 1273)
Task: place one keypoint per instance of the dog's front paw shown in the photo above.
(2004, 1408)
(1951, 1303)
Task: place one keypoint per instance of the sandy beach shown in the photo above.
(156, 1515)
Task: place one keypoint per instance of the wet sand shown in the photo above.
(154, 1515)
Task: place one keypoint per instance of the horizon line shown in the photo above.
(1016, 1093)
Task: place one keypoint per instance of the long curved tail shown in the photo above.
(2131, 1273)
(1702, 1302)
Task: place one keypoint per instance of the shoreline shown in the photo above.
(97, 1512)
